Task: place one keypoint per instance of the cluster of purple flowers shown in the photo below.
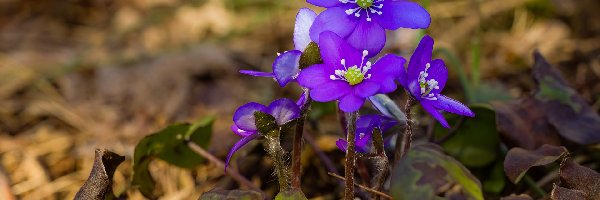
(349, 33)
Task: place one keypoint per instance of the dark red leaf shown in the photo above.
(519, 160)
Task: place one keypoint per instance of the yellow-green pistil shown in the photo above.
(364, 3)
(354, 76)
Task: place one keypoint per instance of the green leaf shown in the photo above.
(265, 123)
(169, 145)
(476, 142)
(425, 172)
(310, 56)
(291, 195)
(495, 181)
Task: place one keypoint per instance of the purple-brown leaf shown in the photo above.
(519, 160)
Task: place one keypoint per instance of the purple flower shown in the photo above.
(364, 129)
(347, 76)
(425, 79)
(283, 110)
(286, 65)
(362, 22)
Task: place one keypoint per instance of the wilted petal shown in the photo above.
(244, 115)
(240, 132)
(304, 19)
(453, 106)
(350, 102)
(301, 100)
(403, 14)
(367, 36)
(256, 73)
(283, 110)
(342, 144)
(286, 67)
(239, 145)
(325, 3)
(335, 20)
(334, 49)
(435, 114)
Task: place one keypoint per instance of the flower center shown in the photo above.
(427, 86)
(369, 6)
(364, 3)
(355, 74)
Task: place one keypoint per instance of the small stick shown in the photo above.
(231, 172)
(350, 156)
(362, 186)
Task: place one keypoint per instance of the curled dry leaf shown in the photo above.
(561, 193)
(577, 177)
(99, 183)
(519, 160)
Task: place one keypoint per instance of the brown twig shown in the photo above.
(297, 145)
(231, 172)
(362, 186)
(350, 156)
(403, 143)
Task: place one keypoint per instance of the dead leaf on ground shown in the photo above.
(99, 184)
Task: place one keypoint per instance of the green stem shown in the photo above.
(350, 156)
(459, 69)
(531, 183)
(277, 155)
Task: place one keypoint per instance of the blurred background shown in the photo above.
(76, 75)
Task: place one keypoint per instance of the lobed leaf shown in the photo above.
(426, 173)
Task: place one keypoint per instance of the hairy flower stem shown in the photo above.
(381, 163)
(350, 156)
(297, 145)
(273, 147)
(403, 143)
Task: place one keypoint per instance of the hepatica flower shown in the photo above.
(283, 110)
(365, 125)
(362, 22)
(425, 79)
(286, 65)
(346, 75)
